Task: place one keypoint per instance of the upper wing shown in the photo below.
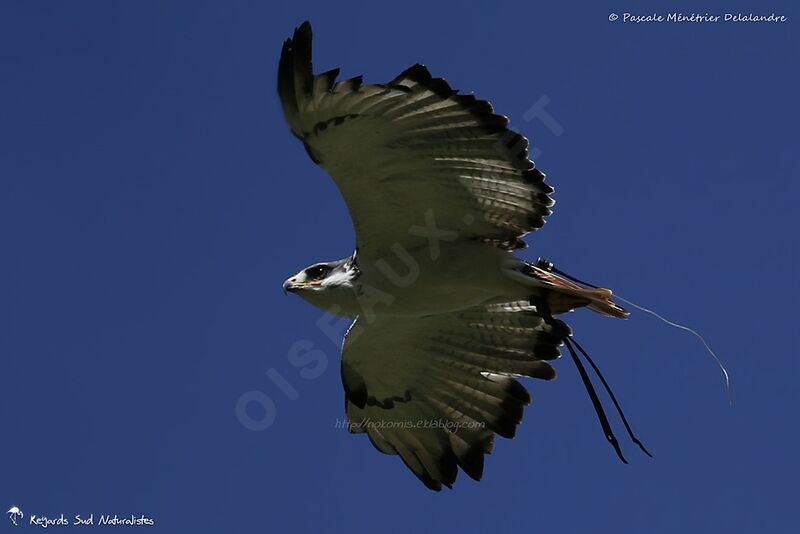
(436, 389)
(413, 152)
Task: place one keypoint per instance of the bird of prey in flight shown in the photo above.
(446, 317)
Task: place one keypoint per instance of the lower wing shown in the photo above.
(434, 390)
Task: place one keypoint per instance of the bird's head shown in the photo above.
(329, 285)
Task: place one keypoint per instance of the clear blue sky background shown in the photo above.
(152, 201)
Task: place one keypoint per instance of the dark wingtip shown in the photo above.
(295, 77)
(303, 30)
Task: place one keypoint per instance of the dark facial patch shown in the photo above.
(317, 272)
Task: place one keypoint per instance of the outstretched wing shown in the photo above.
(434, 390)
(413, 152)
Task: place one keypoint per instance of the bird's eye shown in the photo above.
(316, 272)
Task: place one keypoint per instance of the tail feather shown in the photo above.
(564, 295)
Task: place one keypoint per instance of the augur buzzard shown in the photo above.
(441, 193)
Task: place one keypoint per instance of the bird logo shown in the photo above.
(15, 513)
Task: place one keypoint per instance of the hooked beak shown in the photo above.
(293, 286)
(288, 286)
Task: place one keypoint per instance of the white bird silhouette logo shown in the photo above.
(14, 513)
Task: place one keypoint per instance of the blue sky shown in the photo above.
(152, 201)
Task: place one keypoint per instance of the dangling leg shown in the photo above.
(542, 308)
(548, 266)
(598, 406)
(613, 398)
